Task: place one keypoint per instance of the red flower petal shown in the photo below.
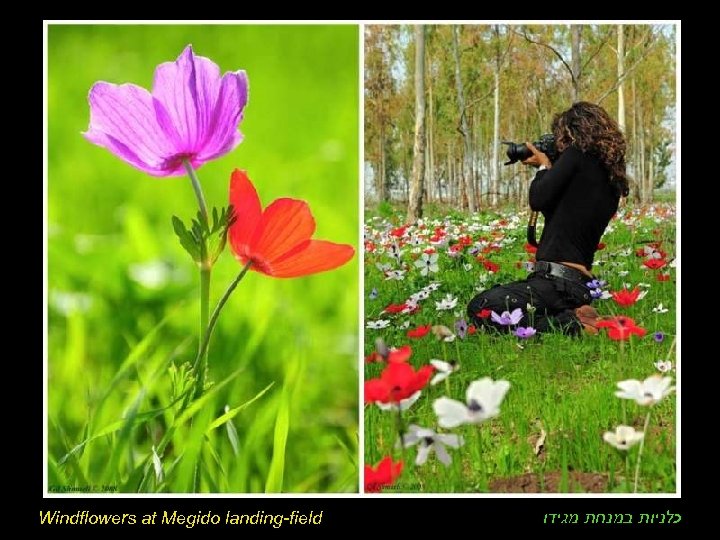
(419, 332)
(621, 327)
(246, 203)
(285, 224)
(626, 298)
(654, 264)
(278, 239)
(376, 390)
(317, 256)
(383, 474)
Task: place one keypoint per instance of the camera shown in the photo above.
(520, 152)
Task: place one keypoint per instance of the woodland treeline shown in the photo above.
(440, 98)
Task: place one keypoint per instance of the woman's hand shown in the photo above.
(538, 158)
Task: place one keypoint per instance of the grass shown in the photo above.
(123, 309)
(561, 386)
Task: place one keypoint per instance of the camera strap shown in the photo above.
(532, 222)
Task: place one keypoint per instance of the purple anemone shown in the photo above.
(507, 318)
(191, 116)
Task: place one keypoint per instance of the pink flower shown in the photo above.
(191, 116)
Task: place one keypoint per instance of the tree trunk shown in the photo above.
(496, 137)
(467, 150)
(621, 74)
(651, 175)
(641, 153)
(382, 195)
(430, 176)
(575, 31)
(635, 159)
(414, 211)
(448, 180)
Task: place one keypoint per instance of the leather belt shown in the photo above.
(561, 271)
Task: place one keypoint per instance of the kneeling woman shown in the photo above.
(577, 195)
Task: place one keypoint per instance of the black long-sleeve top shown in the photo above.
(577, 200)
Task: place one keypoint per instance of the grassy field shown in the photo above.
(548, 436)
(123, 295)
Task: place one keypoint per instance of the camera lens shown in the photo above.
(517, 152)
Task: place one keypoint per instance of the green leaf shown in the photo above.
(187, 240)
(230, 414)
(157, 465)
(274, 481)
(198, 404)
(232, 436)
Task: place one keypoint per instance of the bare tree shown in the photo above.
(575, 71)
(415, 199)
(621, 76)
(496, 120)
(463, 129)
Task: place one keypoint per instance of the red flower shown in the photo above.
(601, 245)
(626, 298)
(420, 331)
(369, 246)
(277, 240)
(654, 264)
(398, 381)
(429, 251)
(530, 248)
(471, 330)
(620, 327)
(373, 357)
(484, 313)
(491, 266)
(398, 232)
(395, 308)
(465, 240)
(663, 277)
(383, 474)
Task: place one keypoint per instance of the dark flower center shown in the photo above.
(174, 162)
(428, 441)
(474, 406)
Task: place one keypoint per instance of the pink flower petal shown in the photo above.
(228, 113)
(123, 120)
(188, 89)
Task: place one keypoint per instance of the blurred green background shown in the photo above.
(116, 269)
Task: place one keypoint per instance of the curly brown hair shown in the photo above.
(590, 129)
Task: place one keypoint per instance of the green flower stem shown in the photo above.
(201, 366)
(640, 450)
(202, 352)
(401, 432)
(197, 188)
(205, 271)
(627, 472)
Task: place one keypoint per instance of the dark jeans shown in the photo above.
(554, 300)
